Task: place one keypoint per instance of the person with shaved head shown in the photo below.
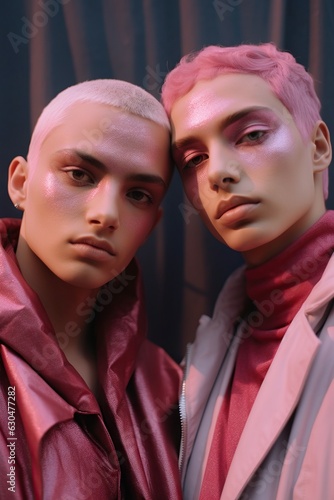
(89, 405)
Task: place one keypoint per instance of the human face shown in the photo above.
(93, 197)
(244, 165)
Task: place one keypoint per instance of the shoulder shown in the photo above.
(323, 292)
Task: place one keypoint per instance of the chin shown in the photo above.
(84, 281)
(246, 240)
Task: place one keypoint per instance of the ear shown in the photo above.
(322, 149)
(17, 177)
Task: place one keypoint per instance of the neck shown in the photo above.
(264, 253)
(64, 305)
(62, 301)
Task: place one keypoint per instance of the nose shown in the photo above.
(103, 207)
(223, 171)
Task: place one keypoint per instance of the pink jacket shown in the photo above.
(56, 441)
(286, 450)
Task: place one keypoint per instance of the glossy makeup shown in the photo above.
(244, 165)
(93, 197)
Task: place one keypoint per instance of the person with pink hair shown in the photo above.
(88, 404)
(257, 399)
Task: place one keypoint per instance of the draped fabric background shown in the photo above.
(47, 45)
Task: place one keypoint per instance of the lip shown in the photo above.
(232, 203)
(95, 244)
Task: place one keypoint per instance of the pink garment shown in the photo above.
(267, 323)
(69, 444)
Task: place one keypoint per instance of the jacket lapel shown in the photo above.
(275, 403)
(281, 389)
(214, 341)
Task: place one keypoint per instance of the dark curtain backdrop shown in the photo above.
(47, 45)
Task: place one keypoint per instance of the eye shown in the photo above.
(80, 176)
(140, 197)
(195, 161)
(253, 136)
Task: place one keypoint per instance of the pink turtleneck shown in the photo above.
(276, 289)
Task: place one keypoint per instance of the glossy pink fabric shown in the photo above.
(69, 446)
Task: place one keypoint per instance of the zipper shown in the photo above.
(183, 410)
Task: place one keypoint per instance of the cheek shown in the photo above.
(43, 187)
(138, 229)
(283, 153)
(195, 188)
(52, 196)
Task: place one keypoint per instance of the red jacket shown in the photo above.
(56, 441)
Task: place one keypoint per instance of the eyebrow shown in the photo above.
(149, 178)
(134, 177)
(81, 155)
(234, 117)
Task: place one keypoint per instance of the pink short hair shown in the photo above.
(288, 80)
